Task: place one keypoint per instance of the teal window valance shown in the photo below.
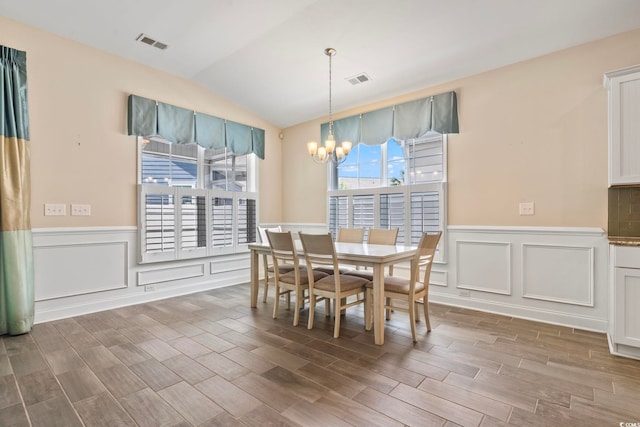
(147, 117)
(409, 120)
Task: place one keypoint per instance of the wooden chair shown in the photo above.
(319, 249)
(346, 235)
(268, 266)
(350, 235)
(377, 236)
(283, 252)
(411, 290)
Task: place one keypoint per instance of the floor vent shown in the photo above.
(143, 38)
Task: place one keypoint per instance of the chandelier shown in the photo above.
(329, 152)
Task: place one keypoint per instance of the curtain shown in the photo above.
(147, 117)
(403, 121)
(16, 246)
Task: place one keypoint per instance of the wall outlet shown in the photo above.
(80, 210)
(526, 208)
(149, 288)
(464, 293)
(55, 209)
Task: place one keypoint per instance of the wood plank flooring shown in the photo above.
(207, 359)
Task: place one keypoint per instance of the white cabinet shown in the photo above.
(624, 125)
(625, 333)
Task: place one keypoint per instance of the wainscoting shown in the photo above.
(549, 274)
(84, 270)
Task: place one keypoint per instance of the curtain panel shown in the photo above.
(409, 120)
(147, 117)
(16, 246)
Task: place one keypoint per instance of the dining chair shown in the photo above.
(377, 236)
(268, 266)
(350, 235)
(283, 252)
(319, 250)
(411, 290)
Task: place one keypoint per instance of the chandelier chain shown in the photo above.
(330, 113)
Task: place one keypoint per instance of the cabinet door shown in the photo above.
(627, 306)
(624, 129)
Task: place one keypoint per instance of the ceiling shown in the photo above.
(267, 56)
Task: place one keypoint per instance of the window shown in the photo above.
(398, 184)
(194, 202)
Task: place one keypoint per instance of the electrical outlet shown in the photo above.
(80, 210)
(55, 209)
(464, 293)
(526, 208)
(149, 288)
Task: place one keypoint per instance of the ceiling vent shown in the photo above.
(143, 38)
(360, 78)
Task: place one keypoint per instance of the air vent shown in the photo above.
(360, 78)
(143, 38)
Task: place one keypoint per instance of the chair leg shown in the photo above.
(296, 315)
(388, 310)
(417, 311)
(412, 319)
(426, 313)
(327, 307)
(276, 302)
(288, 300)
(312, 308)
(336, 311)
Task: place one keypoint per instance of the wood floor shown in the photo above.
(207, 359)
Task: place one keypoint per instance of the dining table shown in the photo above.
(361, 254)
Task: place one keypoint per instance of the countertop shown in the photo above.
(624, 241)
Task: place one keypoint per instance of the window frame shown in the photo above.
(178, 192)
(439, 187)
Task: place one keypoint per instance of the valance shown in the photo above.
(409, 120)
(147, 117)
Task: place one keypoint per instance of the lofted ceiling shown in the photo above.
(267, 56)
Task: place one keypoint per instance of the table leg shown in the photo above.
(378, 304)
(255, 283)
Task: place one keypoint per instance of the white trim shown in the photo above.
(506, 264)
(589, 271)
(573, 231)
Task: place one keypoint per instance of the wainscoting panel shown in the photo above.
(73, 269)
(170, 274)
(558, 273)
(484, 266)
(83, 270)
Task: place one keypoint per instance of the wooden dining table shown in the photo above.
(362, 254)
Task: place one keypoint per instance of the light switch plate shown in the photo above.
(80, 210)
(526, 208)
(55, 209)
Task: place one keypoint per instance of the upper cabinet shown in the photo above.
(624, 125)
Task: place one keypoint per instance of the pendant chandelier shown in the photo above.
(329, 152)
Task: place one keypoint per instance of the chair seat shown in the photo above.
(398, 285)
(329, 270)
(290, 277)
(347, 283)
(284, 268)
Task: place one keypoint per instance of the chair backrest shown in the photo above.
(262, 231)
(319, 249)
(382, 236)
(424, 256)
(283, 249)
(351, 235)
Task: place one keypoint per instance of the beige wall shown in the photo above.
(533, 131)
(81, 152)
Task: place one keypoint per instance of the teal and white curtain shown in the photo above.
(148, 117)
(409, 120)
(16, 246)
